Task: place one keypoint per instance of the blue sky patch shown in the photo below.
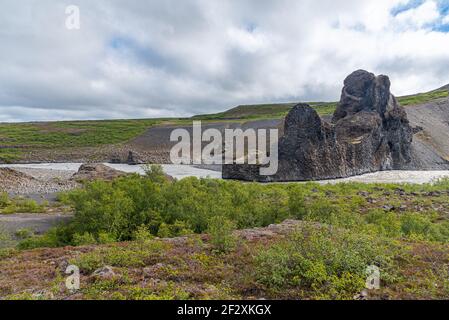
(412, 4)
(443, 7)
(139, 53)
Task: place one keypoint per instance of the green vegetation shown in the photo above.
(116, 210)
(278, 111)
(6, 244)
(133, 255)
(271, 111)
(266, 111)
(422, 98)
(324, 108)
(220, 230)
(325, 263)
(342, 230)
(10, 155)
(20, 205)
(16, 138)
(72, 133)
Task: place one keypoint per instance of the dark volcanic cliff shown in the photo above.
(369, 132)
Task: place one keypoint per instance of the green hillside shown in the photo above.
(265, 111)
(16, 138)
(422, 98)
(276, 111)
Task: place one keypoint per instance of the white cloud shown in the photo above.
(247, 41)
(420, 16)
(446, 19)
(177, 58)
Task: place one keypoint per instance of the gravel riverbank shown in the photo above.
(24, 181)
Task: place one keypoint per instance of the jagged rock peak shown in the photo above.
(363, 91)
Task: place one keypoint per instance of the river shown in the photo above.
(183, 171)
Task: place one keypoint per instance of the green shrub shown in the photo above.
(6, 252)
(177, 229)
(176, 208)
(324, 262)
(143, 234)
(131, 256)
(155, 173)
(51, 239)
(4, 199)
(385, 223)
(419, 226)
(105, 238)
(83, 239)
(24, 234)
(415, 224)
(220, 230)
(296, 202)
(19, 205)
(6, 240)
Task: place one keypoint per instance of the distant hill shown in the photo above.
(280, 110)
(422, 98)
(265, 111)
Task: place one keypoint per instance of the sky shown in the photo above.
(172, 58)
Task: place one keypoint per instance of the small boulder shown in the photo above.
(96, 172)
(104, 273)
(134, 158)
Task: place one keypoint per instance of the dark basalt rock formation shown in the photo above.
(369, 132)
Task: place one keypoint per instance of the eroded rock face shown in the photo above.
(369, 132)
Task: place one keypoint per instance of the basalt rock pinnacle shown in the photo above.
(369, 132)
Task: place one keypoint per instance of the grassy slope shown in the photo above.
(265, 111)
(276, 111)
(19, 137)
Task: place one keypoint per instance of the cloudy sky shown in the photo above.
(148, 58)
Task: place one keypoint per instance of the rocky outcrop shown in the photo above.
(89, 172)
(369, 132)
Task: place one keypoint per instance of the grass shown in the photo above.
(250, 112)
(423, 97)
(17, 138)
(278, 111)
(266, 111)
(71, 134)
(20, 205)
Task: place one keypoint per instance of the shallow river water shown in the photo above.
(183, 171)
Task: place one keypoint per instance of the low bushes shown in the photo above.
(327, 263)
(167, 209)
(114, 211)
